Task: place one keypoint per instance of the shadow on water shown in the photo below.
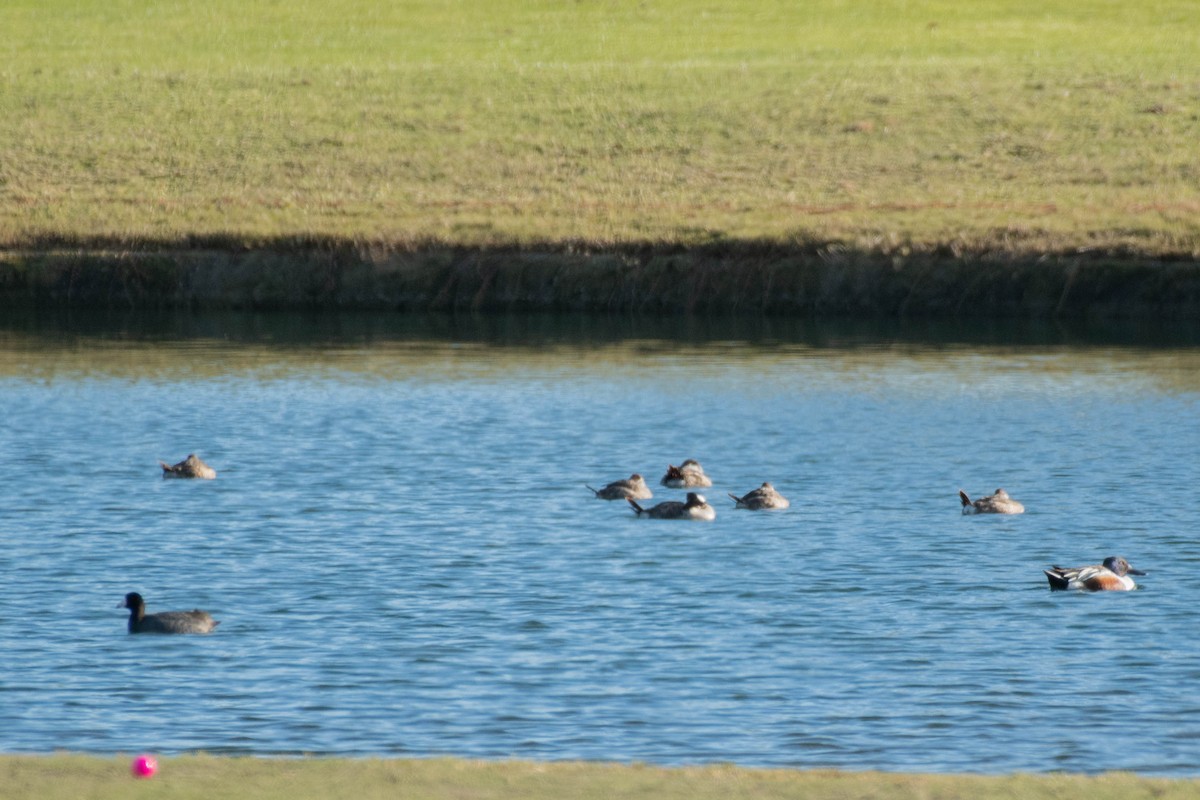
(298, 329)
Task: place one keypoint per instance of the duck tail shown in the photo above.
(594, 491)
(736, 499)
(1057, 581)
(966, 501)
(165, 466)
(636, 508)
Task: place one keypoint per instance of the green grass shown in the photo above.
(1054, 124)
(206, 778)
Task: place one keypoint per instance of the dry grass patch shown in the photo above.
(1072, 124)
(209, 778)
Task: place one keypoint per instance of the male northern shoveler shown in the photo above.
(634, 487)
(688, 475)
(998, 503)
(764, 497)
(1112, 575)
(190, 467)
(196, 621)
(696, 507)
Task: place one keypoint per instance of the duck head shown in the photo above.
(1120, 566)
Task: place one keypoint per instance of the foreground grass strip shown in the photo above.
(77, 776)
(1058, 123)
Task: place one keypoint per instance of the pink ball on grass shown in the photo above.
(144, 766)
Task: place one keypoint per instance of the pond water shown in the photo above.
(405, 561)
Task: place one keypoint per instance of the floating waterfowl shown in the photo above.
(764, 497)
(195, 621)
(696, 507)
(634, 487)
(1111, 576)
(998, 503)
(190, 467)
(688, 475)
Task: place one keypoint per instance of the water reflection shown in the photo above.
(62, 343)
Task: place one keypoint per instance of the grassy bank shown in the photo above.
(999, 125)
(73, 776)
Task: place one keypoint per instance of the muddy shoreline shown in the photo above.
(727, 279)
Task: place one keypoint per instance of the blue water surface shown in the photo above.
(405, 561)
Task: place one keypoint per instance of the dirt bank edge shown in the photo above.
(745, 278)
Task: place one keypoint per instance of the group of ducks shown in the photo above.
(195, 621)
(688, 475)
(1112, 575)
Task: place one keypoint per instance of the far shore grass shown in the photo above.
(1054, 125)
(204, 777)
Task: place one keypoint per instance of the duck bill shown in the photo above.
(1133, 571)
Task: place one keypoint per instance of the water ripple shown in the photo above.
(405, 561)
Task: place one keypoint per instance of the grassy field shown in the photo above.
(206, 778)
(1022, 124)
